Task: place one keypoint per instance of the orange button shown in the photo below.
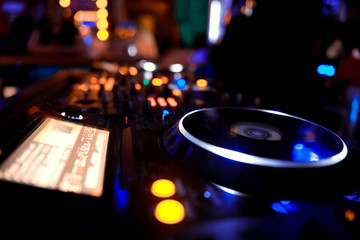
(170, 212)
(163, 188)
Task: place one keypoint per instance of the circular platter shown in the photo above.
(259, 152)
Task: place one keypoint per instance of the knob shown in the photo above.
(73, 112)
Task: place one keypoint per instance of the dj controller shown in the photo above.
(137, 154)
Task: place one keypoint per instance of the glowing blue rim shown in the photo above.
(257, 160)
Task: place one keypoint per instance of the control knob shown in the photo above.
(72, 112)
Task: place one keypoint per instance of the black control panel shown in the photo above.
(92, 162)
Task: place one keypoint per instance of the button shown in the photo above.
(170, 212)
(163, 188)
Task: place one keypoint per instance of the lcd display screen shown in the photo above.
(60, 155)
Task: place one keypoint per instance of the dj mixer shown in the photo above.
(155, 154)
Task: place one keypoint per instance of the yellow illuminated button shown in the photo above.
(102, 35)
(101, 3)
(157, 82)
(201, 83)
(163, 188)
(64, 3)
(102, 24)
(170, 212)
(102, 13)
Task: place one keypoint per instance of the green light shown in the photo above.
(146, 82)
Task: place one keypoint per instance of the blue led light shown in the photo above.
(299, 146)
(285, 207)
(88, 40)
(15, 7)
(279, 208)
(207, 194)
(325, 11)
(354, 109)
(353, 197)
(165, 112)
(121, 197)
(181, 83)
(90, 24)
(327, 70)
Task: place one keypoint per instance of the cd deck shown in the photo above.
(142, 161)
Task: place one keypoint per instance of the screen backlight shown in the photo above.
(60, 155)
